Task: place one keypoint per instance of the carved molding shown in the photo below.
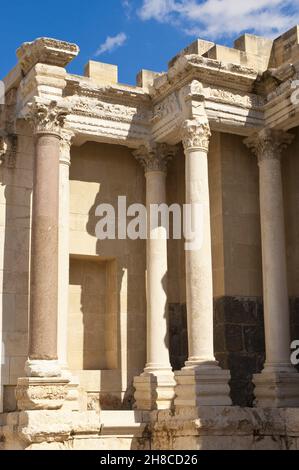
(268, 144)
(196, 134)
(47, 118)
(91, 107)
(168, 107)
(156, 157)
(41, 394)
(46, 51)
(245, 100)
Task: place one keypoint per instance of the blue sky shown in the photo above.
(136, 34)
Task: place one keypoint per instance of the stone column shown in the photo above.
(63, 246)
(71, 401)
(201, 381)
(278, 384)
(155, 386)
(43, 387)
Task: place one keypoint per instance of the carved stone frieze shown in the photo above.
(245, 100)
(168, 107)
(117, 112)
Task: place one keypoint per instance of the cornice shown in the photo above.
(46, 51)
(82, 86)
(214, 72)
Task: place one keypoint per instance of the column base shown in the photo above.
(35, 393)
(277, 388)
(154, 390)
(42, 368)
(202, 385)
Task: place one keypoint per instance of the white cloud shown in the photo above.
(220, 18)
(128, 7)
(111, 43)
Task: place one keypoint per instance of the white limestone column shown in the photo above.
(72, 399)
(201, 381)
(155, 386)
(63, 248)
(278, 384)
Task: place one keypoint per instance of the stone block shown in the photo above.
(254, 339)
(233, 338)
(101, 73)
(154, 390)
(145, 78)
(199, 47)
(202, 386)
(34, 393)
(224, 54)
(254, 45)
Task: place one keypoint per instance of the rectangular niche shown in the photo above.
(92, 319)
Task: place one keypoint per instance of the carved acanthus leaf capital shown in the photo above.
(47, 118)
(268, 144)
(196, 134)
(156, 157)
(65, 146)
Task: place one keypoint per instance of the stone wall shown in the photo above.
(15, 209)
(99, 173)
(238, 341)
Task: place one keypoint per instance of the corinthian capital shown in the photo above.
(268, 144)
(47, 118)
(65, 146)
(156, 157)
(196, 134)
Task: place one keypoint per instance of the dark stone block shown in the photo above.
(222, 358)
(242, 392)
(294, 311)
(260, 362)
(238, 310)
(242, 365)
(219, 338)
(294, 332)
(178, 335)
(254, 338)
(233, 338)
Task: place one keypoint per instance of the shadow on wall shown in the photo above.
(112, 296)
